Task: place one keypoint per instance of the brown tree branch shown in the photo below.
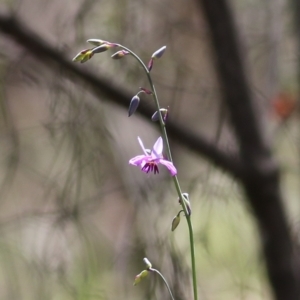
(261, 177)
(52, 57)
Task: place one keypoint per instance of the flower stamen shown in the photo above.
(150, 167)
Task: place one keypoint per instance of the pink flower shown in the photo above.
(150, 159)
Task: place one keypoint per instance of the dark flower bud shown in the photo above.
(134, 103)
(159, 53)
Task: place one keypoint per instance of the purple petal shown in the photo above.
(137, 160)
(143, 163)
(157, 148)
(146, 151)
(169, 166)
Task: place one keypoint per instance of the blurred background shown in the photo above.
(75, 219)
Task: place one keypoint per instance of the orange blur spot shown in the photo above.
(283, 105)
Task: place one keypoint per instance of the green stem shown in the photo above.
(175, 178)
(165, 281)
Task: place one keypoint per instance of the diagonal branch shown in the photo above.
(52, 57)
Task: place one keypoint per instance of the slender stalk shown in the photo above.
(175, 178)
(165, 281)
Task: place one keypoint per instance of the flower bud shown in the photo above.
(175, 222)
(83, 56)
(140, 276)
(88, 56)
(159, 53)
(78, 57)
(101, 48)
(150, 64)
(155, 116)
(120, 54)
(134, 103)
(147, 262)
(96, 42)
(104, 47)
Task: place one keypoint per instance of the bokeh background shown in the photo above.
(75, 219)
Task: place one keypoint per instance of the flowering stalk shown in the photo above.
(144, 273)
(175, 178)
(149, 161)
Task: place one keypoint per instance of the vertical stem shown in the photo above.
(175, 178)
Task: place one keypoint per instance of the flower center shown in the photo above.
(150, 167)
